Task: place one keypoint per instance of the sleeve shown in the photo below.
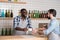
(15, 22)
(59, 29)
(51, 28)
(29, 23)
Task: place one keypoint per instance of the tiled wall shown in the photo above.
(35, 23)
(6, 23)
(34, 4)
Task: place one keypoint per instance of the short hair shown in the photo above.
(22, 10)
(52, 11)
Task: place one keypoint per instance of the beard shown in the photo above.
(23, 16)
(49, 18)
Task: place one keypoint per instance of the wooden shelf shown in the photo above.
(7, 18)
(13, 2)
(58, 18)
(41, 18)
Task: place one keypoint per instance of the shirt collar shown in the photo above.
(53, 18)
(26, 17)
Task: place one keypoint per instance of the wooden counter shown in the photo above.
(22, 38)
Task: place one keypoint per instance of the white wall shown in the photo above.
(34, 4)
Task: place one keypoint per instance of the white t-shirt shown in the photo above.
(22, 24)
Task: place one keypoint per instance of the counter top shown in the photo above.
(22, 37)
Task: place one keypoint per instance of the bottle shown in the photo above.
(38, 13)
(2, 13)
(5, 0)
(6, 14)
(5, 31)
(19, 13)
(29, 14)
(32, 14)
(46, 14)
(15, 0)
(11, 14)
(2, 32)
(9, 31)
(42, 15)
(12, 31)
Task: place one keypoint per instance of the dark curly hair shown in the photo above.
(52, 11)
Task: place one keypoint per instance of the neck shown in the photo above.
(52, 17)
(23, 16)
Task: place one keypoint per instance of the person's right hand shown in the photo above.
(42, 29)
(25, 29)
(34, 31)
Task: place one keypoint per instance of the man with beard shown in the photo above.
(21, 23)
(53, 30)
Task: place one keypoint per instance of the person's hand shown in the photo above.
(25, 29)
(34, 31)
(41, 29)
(40, 32)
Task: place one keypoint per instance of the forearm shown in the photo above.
(19, 29)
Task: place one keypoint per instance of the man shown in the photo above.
(21, 23)
(53, 29)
